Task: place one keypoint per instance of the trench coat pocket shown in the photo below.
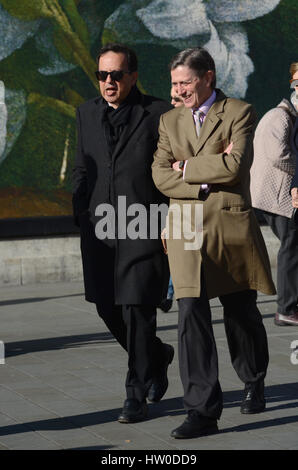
(237, 242)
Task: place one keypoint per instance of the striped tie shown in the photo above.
(199, 119)
(199, 116)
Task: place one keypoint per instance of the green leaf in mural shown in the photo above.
(27, 10)
(62, 44)
(77, 23)
(73, 98)
(57, 105)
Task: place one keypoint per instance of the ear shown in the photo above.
(134, 76)
(209, 76)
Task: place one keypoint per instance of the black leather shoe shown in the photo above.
(195, 426)
(254, 400)
(160, 382)
(133, 411)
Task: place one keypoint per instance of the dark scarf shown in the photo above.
(115, 120)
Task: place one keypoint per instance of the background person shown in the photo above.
(271, 175)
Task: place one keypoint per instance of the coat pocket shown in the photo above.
(237, 243)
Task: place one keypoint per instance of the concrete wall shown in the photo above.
(54, 259)
(34, 260)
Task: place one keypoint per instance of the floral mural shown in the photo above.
(47, 64)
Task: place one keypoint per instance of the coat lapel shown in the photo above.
(135, 118)
(212, 120)
(97, 115)
(187, 123)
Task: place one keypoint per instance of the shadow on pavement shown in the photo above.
(17, 348)
(36, 299)
(169, 407)
(62, 342)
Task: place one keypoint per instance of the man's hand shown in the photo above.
(164, 241)
(175, 166)
(294, 193)
(229, 148)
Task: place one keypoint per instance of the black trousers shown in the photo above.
(134, 327)
(287, 262)
(198, 361)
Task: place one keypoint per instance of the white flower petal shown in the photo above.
(238, 10)
(14, 32)
(56, 64)
(3, 119)
(170, 19)
(15, 105)
(228, 46)
(130, 29)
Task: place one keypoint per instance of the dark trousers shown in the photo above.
(287, 262)
(134, 327)
(198, 362)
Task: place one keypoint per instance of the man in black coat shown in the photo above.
(125, 270)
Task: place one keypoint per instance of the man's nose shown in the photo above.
(109, 78)
(180, 89)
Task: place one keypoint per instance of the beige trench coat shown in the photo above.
(233, 252)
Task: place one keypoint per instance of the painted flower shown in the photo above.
(3, 119)
(14, 33)
(12, 118)
(213, 24)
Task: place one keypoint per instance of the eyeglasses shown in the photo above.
(116, 75)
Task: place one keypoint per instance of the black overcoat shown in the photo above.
(124, 270)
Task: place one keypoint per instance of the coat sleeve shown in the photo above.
(222, 168)
(79, 179)
(168, 181)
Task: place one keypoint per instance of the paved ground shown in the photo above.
(61, 386)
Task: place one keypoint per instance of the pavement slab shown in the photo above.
(62, 383)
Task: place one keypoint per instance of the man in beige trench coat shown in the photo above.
(203, 158)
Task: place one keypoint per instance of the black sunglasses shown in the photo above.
(116, 75)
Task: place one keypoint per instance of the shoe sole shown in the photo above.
(284, 323)
(137, 419)
(129, 421)
(202, 433)
(252, 412)
(170, 361)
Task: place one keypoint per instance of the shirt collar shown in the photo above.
(206, 105)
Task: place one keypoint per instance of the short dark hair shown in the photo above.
(196, 58)
(132, 60)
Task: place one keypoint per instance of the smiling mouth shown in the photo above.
(186, 98)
